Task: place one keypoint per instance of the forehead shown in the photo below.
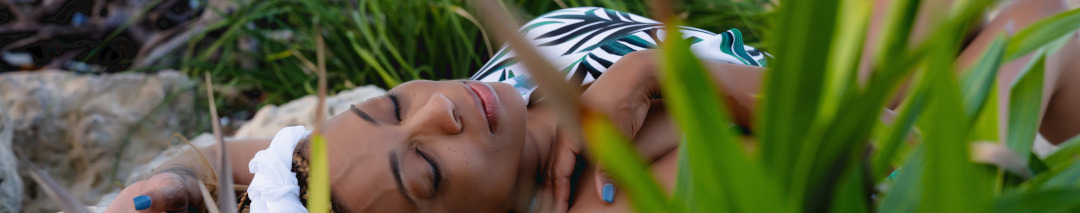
(356, 165)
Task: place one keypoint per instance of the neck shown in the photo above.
(539, 136)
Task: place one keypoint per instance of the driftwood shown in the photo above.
(75, 34)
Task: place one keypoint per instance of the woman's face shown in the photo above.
(429, 146)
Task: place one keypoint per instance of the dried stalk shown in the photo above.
(66, 201)
(226, 193)
(206, 162)
(320, 58)
(209, 201)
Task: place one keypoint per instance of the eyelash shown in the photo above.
(435, 169)
(397, 108)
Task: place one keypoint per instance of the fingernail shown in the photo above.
(609, 193)
(142, 202)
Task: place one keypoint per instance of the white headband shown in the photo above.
(274, 188)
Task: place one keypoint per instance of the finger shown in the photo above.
(605, 186)
(167, 195)
(562, 168)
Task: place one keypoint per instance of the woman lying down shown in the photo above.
(472, 145)
(488, 144)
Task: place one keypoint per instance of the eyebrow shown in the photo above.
(362, 114)
(395, 167)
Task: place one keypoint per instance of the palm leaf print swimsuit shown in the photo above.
(583, 42)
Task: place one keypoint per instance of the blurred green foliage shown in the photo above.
(814, 124)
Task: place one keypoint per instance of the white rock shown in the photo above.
(269, 119)
(84, 130)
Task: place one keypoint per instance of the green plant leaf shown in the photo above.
(793, 90)
(1036, 165)
(913, 107)
(1044, 200)
(1040, 33)
(905, 192)
(1068, 175)
(608, 144)
(714, 153)
(851, 195)
(843, 66)
(1025, 101)
(1067, 152)
(978, 83)
(684, 184)
(952, 182)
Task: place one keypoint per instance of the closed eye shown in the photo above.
(397, 106)
(437, 175)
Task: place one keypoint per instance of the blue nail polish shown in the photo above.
(142, 202)
(609, 193)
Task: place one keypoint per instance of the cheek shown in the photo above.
(485, 178)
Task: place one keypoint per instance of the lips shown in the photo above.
(487, 101)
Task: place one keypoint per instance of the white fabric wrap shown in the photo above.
(274, 188)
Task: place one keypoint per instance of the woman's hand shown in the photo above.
(170, 190)
(624, 93)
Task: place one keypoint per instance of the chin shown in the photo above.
(509, 98)
(513, 108)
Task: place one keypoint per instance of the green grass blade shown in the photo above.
(985, 127)
(851, 194)
(894, 137)
(794, 86)
(1040, 33)
(1046, 200)
(1025, 101)
(896, 30)
(319, 176)
(387, 77)
(905, 192)
(1063, 176)
(684, 184)
(609, 145)
(951, 182)
(1067, 151)
(848, 43)
(714, 153)
(978, 83)
(1036, 165)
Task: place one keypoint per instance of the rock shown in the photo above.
(11, 186)
(89, 131)
(269, 119)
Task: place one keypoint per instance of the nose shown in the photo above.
(437, 116)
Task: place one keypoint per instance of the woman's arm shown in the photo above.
(174, 184)
(625, 91)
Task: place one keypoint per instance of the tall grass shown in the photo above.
(267, 45)
(815, 123)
